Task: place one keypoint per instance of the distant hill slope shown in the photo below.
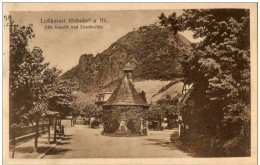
(153, 89)
(150, 87)
(171, 91)
(154, 51)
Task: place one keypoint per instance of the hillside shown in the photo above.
(153, 89)
(172, 91)
(154, 51)
(150, 87)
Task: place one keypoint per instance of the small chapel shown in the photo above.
(125, 112)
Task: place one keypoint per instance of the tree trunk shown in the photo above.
(179, 130)
(14, 144)
(169, 123)
(160, 124)
(43, 127)
(55, 129)
(60, 127)
(49, 130)
(36, 135)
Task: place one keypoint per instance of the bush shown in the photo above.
(238, 146)
(174, 137)
(131, 125)
(134, 115)
(113, 126)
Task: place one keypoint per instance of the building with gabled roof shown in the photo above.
(125, 111)
(125, 94)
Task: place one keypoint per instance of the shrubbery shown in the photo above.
(131, 125)
(174, 137)
(113, 126)
(134, 117)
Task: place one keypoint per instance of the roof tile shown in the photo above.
(125, 94)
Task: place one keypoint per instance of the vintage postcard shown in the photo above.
(130, 83)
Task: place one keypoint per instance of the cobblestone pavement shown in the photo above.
(83, 142)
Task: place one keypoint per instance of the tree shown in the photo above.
(172, 21)
(19, 37)
(37, 78)
(156, 112)
(163, 20)
(163, 108)
(219, 69)
(62, 98)
(31, 81)
(30, 87)
(77, 109)
(18, 94)
(92, 110)
(169, 106)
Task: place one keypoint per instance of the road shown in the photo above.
(83, 142)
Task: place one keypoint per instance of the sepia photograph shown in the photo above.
(148, 83)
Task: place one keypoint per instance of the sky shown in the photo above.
(63, 47)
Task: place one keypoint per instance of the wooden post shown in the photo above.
(49, 130)
(141, 126)
(55, 129)
(179, 130)
(60, 127)
(14, 142)
(36, 135)
(43, 126)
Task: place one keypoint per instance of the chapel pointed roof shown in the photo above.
(125, 94)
